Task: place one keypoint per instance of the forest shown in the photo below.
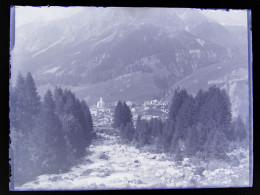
(47, 136)
(200, 126)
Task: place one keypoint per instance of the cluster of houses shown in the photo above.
(102, 112)
(151, 109)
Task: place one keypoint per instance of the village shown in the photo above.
(102, 112)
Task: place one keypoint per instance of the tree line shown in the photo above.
(200, 125)
(47, 136)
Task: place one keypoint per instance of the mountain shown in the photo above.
(124, 53)
(231, 75)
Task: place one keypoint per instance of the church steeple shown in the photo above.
(100, 103)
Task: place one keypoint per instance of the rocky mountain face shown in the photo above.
(128, 54)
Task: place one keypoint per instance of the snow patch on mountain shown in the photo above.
(73, 62)
(106, 39)
(201, 42)
(78, 52)
(123, 76)
(195, 52)
(50, 46)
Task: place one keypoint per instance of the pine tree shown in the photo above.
(14, 123)
(137, 129)
(143, 133)
(74, 124)
(88, 119)
(127, 132)
(177, 100)
(216, 112)
(126, 116)
(59, 101)
(183, 123)
(118, 115)
(216, 145)
(24, 109)
(167, 135)
(51, 127)
(32, 97)
(31, 102)
(17, 104)
(155, 126)
(239, 130)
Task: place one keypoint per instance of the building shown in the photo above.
(146, 108)
(94, 112)
(154, 101)
(135, 116)
(147, 117)
(147, 103)
(128, 103)
(100, 103)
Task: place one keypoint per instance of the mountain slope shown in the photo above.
(231, 75)
(89, 51)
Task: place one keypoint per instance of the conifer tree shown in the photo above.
(143, 133)
(239, 130)
(17, 104)
(32, 97)
(51, 127)
(126, 116)
(216, 145)
(24, 109)
(59, 101)
(88, 119)
(137, 128)
(127, 132)
(183, 121)
(118, 115)
(177, 100)
(156, 129)
(31, 102)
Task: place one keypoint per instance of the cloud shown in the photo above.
(231, 17)
(27, 14)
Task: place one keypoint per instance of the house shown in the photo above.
(154, 101)
(94, 112)
(146, 108)
(135, 116)
(147, 103)
(128, 103)
(147, 117)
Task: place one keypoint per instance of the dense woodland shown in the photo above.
(47, 136)
(199, 126)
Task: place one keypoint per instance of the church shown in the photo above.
(100, 103)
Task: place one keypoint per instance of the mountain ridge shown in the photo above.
(99, 45)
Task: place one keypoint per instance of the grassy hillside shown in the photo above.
(134, 87)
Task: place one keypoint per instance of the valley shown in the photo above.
(110, 164)
(127, 98)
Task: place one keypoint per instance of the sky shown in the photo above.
(27, 14)
(232, 17)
